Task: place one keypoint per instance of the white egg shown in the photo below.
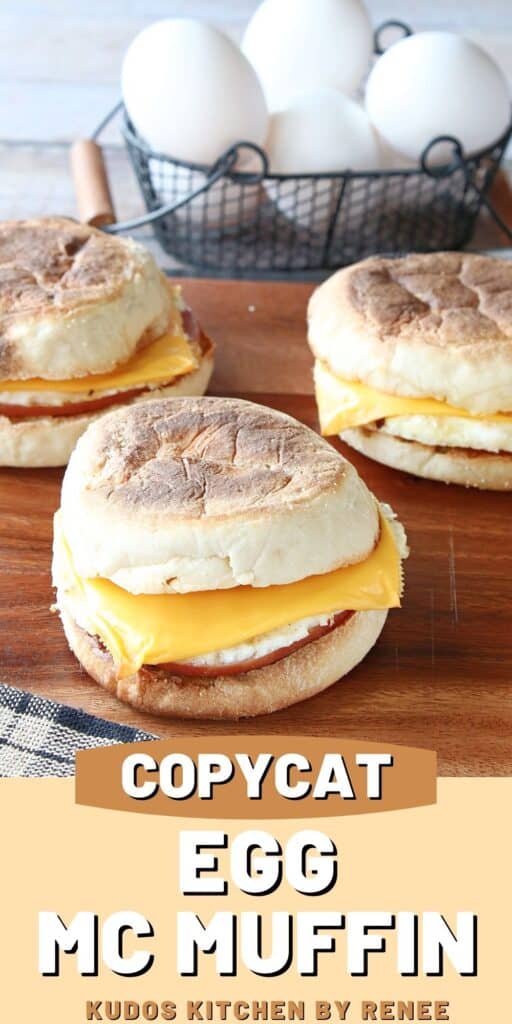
(190, 92)
(300, 45)
(437, 83)
(319, 132)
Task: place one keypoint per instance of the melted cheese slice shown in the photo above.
(151, 630)
(169, 356)
(345, 403)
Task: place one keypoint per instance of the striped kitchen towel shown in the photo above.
(39, 737)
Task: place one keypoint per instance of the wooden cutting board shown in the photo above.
(441, 675)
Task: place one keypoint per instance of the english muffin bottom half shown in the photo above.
(87, 321)
(217, 559)
(414, 364)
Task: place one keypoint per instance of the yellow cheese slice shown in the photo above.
(169, 356)
(158, 628)
(345, 403)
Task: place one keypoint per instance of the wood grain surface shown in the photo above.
(441, 675)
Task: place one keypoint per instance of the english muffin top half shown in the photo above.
(211, 493)
(73, 300)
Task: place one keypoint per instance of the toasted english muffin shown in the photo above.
(215, 558)
(419, 349)
(87, 321)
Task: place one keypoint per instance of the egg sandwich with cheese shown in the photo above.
(217, 559)
(87, 321)
(414, 364)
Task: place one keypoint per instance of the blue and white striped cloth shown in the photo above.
(40, 738)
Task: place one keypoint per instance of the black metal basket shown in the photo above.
(215, 219)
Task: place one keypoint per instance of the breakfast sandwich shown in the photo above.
(217, 559)
(414, 364)
(87, 321)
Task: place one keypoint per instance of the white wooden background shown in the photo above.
(59, 73)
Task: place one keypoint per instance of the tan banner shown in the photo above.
(236, 777)
(58, 857)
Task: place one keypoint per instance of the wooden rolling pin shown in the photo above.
(92, 189)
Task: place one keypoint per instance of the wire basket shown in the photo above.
(219, 220)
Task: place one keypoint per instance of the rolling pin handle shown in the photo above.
(92, 190)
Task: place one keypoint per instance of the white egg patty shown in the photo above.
(451, 432)
(264, 644)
